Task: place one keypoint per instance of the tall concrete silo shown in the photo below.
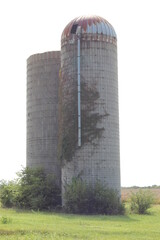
(89, 126)
(42, 112)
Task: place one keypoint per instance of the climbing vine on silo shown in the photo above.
(68, 119)
(90, 117)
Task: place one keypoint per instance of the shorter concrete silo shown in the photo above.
(42, 112)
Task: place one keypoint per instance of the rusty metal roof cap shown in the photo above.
(90, 25)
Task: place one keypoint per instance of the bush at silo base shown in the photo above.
(84, 199)
(32, 190)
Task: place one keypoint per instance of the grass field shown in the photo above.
(38, 226)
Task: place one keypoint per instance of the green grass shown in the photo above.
(39, 225)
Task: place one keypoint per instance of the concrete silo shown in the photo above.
(42, 112)
(89, 122)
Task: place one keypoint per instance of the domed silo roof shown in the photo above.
(90, 25)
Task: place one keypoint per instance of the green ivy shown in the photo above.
(68, 119)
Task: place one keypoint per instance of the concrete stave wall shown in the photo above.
(42, 112)
(98, 71)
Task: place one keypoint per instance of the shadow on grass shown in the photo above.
(62, 215)
(111, 218)
(21, 232)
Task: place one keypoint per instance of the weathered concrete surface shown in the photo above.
(98, 160)
(42, 112)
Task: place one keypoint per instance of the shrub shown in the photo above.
(141, 201)
(8, 193)
(86, 199)
(32, 190)
(77, 196)
(37, 190)
(106, 201)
